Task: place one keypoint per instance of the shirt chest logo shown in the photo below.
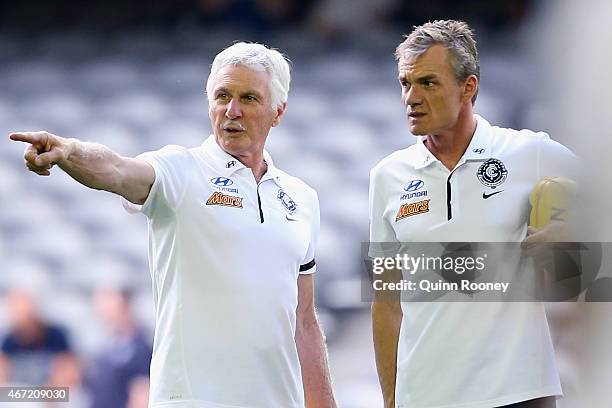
(410, 209)
(218, 198)
(221, 181)
(223, 184)
(414, 185)
(413, 189)
(492, 173)
(287, 202)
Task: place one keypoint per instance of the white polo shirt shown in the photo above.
(461, 354)
(225, 253)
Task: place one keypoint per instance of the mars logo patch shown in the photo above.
(226, 200)
(408, 210)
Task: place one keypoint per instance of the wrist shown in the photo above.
(69, 147)
(389, 400)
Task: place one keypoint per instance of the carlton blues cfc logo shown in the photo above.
(288, 203)
(492, 173)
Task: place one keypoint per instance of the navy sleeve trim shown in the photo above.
(307, 266)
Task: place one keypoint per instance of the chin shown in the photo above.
(418, 127)
(231, 144)
(227, 137)
(418, 131)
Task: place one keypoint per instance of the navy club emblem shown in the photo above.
(287, 201)
(492, 173)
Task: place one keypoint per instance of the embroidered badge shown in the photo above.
(218, 198)
(492, 173)
(410, 209)
(287, 201)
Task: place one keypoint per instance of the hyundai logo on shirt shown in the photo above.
(414, 185)
(221, 181)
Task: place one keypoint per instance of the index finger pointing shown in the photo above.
(28, 137)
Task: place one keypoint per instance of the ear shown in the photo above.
(470, 86)
(280, 111)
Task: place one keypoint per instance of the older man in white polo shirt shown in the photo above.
(464, 180)
(231, 246)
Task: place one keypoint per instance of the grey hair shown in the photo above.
(257, 57)
(458, 39)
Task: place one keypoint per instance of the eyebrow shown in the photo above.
(247, 92)
(252, 92)
(427, 77)
(222, 89)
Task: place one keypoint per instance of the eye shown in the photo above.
(427, 83)
(405, 84)
(221, 95)
(250, 98)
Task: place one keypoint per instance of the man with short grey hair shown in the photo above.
(455, 36)
(473, 181)
(231, 246)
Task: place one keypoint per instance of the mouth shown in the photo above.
(232, 130)
(416, 115)
(233, 127)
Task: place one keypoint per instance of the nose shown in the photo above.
(233, 110)
(412, 96)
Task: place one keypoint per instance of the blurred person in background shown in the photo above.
(343, 19)
(231, 245)
(126, 355)
(580, 111)
(35, 352)
(261, 15)
(138, 393)
(460, 354)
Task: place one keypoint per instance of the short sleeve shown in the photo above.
(171, 177)
(556, 160)
(382, 236)
(308, 265)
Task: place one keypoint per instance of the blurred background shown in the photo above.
(75, 297)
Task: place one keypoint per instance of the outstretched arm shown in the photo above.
(91, 164)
